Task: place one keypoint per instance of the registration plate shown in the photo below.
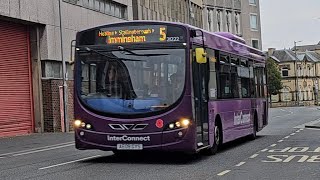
(129, 146)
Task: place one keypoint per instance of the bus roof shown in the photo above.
(222, 41)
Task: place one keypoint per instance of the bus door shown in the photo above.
(200, 89)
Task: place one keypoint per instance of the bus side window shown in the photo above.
(212, 73)
(224, 87)
(227, 78)
(244, 72)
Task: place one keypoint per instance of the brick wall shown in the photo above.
(70, 104)
(51, 104)
(47, 106)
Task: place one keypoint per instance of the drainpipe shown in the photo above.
(64, 74)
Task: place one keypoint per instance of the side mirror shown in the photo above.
(201, 56)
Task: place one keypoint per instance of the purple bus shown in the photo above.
(161, 86)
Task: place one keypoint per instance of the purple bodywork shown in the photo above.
(169, 140)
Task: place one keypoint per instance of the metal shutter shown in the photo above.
(16, 113)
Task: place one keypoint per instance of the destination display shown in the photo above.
(139, 34)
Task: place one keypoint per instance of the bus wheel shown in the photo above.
(253, 136)
(217, 139)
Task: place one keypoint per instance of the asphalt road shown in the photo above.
(283, 150)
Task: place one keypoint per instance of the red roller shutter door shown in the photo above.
(16, 113)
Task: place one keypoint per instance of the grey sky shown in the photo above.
(286, 21)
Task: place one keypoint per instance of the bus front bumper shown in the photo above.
(175, 140)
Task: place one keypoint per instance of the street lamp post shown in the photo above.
(295, 64)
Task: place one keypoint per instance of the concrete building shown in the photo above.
(169, 10)
(31, 58)
(240, 17)
(300, 77)
(251, 24)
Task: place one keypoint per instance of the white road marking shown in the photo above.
(280, 140)
(264, 150)
(273, 145)
(41, 150)
(61, 164)
(253, 156)
(33, 149)
(297, 131)
(292, 134)
(223, 172)
(286, 137)
(301, 129)
(240, 164)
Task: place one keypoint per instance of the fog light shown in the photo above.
(88, 126)
(77, 123)
(185, 122)
(171, 126)
(180, 134)
(81, 133)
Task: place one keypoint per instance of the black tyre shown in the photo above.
(217, 140)
(253, 136)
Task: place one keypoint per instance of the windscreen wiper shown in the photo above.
(107, 56)
(121, 48)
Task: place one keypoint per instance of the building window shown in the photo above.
(252, 2)
(309, 72)
(253, 21)
(255, 43)
(285, 72)
(300, 71)
(104, 6)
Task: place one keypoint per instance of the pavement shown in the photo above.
(314, 124)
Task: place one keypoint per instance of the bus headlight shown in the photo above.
(182, 123)
(88, 126)
(185, 122)
(77, 123)
(178, 124)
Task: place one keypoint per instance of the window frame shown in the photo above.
(102, 6)
(283, 70)
(258, 44)
(251, 22)
(253, 2)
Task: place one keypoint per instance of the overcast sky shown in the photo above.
(286, 21)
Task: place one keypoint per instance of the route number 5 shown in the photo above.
(163, 34)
